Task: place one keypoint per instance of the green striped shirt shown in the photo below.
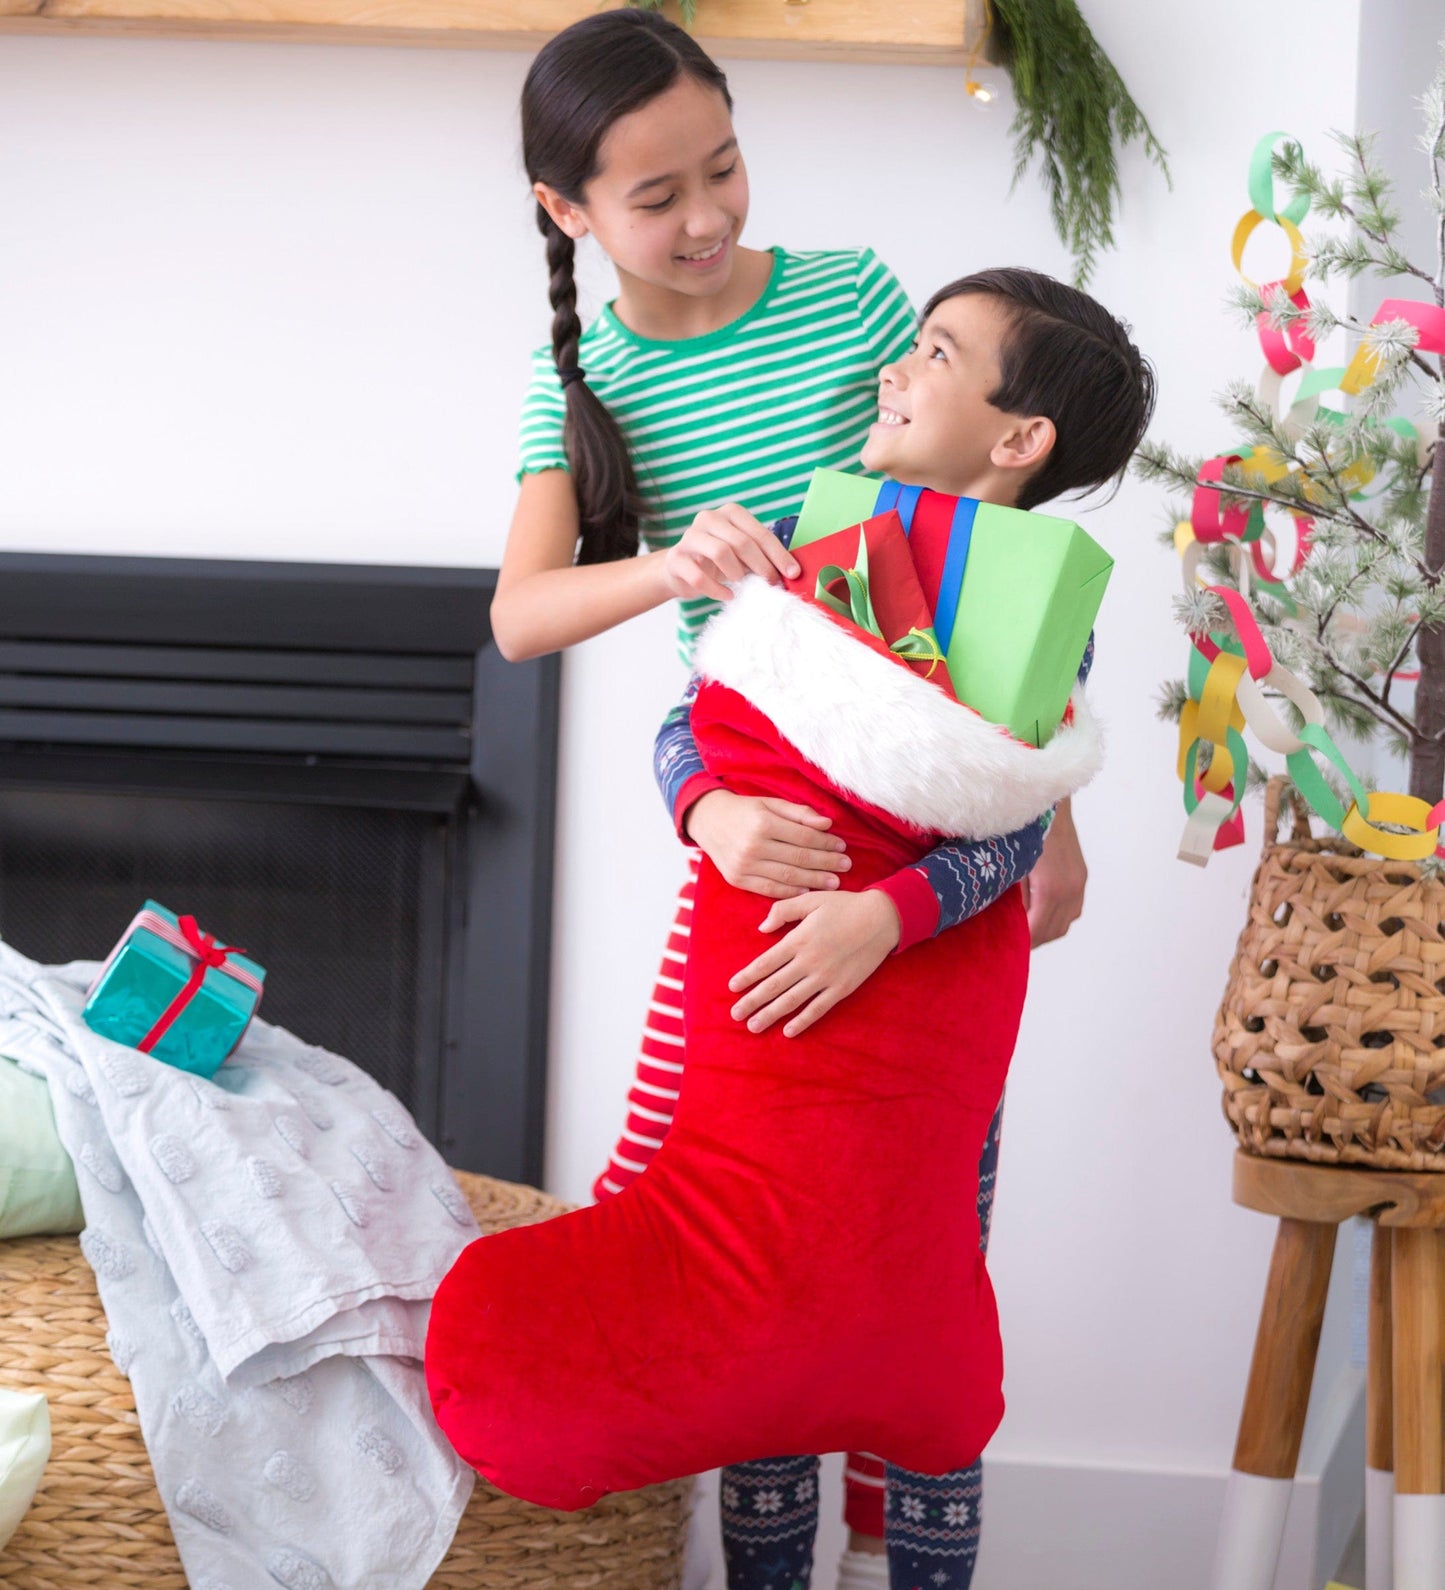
(742, 414)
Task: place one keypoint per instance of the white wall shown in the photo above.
(276, 301)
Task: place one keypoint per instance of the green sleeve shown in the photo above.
(539, 438)
(889, 321)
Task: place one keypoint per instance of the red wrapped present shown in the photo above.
(865, 578)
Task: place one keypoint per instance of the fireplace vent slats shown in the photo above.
(250, 665)
(118, 686)
(419, 744)
(207, 699)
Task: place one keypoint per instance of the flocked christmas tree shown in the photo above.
(1362, 616)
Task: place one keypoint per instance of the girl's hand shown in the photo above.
(769, 847)
(1054, 890)
(724, 544)
(839, 942)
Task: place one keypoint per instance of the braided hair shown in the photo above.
(582, 81)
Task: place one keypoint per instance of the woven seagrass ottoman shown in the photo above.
(97, 1519)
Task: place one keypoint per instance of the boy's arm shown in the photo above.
(958, 878)
(676, 762)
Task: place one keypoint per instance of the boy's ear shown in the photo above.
(567, 215)
(1025, 445)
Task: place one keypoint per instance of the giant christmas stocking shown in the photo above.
(798, 1270)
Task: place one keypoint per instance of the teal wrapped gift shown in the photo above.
(171, 991)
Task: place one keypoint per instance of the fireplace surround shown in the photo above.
(329, 765)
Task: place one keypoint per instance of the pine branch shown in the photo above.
(1292, 504)
(1367, 698)
(1399, 660)
(1171, 697)
(1372, 188)
(1354, 323)
(1368, 214)
(1327, 616)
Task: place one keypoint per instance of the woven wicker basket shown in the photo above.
(1330, 1040)
(97, 1519)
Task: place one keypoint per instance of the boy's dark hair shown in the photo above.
(583, 80)
(1067, 358)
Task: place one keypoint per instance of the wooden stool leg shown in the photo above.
(1275, 1402)
(1379, 1424)
(1417, 1296)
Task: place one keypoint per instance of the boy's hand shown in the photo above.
(769, 847)
(724, 544)
(839, 942)
(1054, 890)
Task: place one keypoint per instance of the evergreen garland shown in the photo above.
(1073, 110)
(688, 8)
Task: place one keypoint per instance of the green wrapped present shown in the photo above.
(1014, 595)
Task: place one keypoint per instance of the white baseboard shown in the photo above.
(1075, 1527)
(1050, 1526)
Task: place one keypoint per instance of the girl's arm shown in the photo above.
(545, 602)
(1054, 890)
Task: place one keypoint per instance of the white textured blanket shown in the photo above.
(266, 1247)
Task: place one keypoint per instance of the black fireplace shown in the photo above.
(328, 765)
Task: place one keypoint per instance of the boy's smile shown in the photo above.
(936, 424)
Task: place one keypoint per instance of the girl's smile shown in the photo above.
(707, 259)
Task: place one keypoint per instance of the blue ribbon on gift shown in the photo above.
(903, 500)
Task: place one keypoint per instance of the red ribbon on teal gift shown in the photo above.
(920, 645)
(205, 953)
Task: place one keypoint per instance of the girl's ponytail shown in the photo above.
(583, 80)
(609, 503)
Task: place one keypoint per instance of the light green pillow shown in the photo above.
(24, 1452)
(38, 1194)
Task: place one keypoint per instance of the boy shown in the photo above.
(1004, 361)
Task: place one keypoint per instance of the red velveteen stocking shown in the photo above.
(798, 1270)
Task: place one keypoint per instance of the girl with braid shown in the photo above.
(717, 369)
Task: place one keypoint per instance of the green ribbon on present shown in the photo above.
(918, 644)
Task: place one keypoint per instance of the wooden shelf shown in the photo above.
(942, 32)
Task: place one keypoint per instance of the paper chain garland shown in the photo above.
(1229, 674)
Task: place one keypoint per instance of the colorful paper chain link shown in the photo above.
(1229, 674)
